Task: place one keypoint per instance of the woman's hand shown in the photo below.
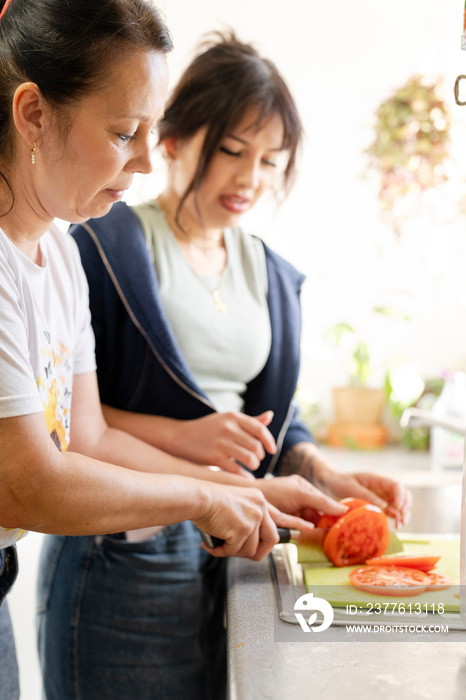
(246, 521)
(391, 496)
(297, 496)
(227, 440)
(307, 460)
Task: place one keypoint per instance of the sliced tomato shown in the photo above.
(390, 580)
(438, 582)
(357, 536)
(327, 521)
(423, 562)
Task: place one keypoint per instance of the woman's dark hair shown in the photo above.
(67, 48)
(225, 80)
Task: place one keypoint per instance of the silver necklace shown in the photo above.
(205, 251)
(219, 304)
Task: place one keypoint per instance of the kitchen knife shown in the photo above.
(286, 534)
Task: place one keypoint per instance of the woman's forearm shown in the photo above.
(229, 440)
(159, 431)
(119, 447)
(69, 493)
(305, 459)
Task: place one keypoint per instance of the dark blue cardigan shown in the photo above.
(140, 367)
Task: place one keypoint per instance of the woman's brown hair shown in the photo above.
(67, 48)
(225, 80)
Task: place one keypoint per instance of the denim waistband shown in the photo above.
(8, 570)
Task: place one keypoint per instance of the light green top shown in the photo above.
(224, 351)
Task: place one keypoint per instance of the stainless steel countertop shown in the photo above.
(263, 668)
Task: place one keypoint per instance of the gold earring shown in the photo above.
(33, 153)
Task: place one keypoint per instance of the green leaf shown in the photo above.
(339, 331)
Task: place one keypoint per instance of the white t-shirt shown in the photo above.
(45, 335)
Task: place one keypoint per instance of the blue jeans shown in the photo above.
(9, 677)
(120, 620)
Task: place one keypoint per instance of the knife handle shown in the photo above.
(284, 533)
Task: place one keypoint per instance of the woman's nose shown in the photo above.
(250, 174)
(142, 161)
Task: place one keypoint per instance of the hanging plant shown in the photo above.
(412, 133)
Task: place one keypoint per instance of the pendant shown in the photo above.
(219, 305)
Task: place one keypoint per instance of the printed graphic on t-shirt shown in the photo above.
(54, 385)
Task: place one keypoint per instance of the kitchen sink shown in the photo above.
(436, 509)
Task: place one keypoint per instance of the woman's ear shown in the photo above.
(29, 112)
(170, 146)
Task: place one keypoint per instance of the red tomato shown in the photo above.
(425, 563)
(390, 580)
(356, 536)
(327, 521)
(438, 582)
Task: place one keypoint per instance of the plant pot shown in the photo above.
(356, 404)
(357, 436)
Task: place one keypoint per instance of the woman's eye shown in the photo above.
(126, 137)
(269, 162)
(226, 150)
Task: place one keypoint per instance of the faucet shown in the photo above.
(412, 417)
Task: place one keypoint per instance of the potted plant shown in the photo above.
(410, 148)
(358, 406)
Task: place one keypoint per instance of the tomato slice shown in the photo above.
(424, 562)
(390, 580)
(327, 521)
(357, 536)
(438, 582)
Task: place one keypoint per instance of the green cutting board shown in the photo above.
(332, 583)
